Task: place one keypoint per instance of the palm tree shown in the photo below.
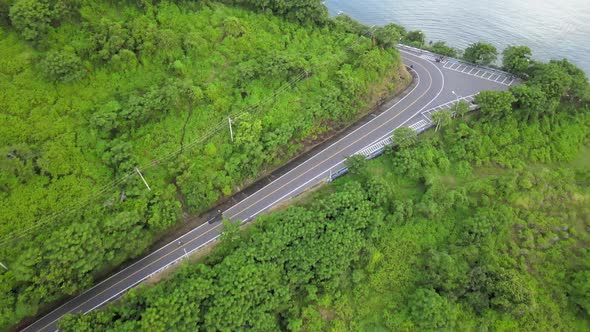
(441, 118)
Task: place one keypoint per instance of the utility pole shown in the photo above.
(4, 266)
(144, 181)
(185, 253)
(231, 132)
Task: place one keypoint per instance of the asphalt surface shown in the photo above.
(435, 84)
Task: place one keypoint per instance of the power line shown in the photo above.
(254, 108)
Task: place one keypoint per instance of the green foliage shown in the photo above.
(516, 59)
(62, 66)
(580, 290)
(495, 104)
(481, 53)
(349, 24)
(429, 310)
(440, 47)
(413, 244)
(442, 118)
(532, 100)
(304, 11)
(253, 285)
(460, 109)
(415, 38)
(356, 164)
(105, 87)
(405, 137)
(389, 35)
(467, 217)
(31, 18)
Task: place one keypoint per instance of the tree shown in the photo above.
(351, 25)
(441, 118)
(389, 35)
(531, 100)
(578, 80)
(404, 137)
(440, 47)
(356, 164)
(480, 53)
(580, 290)
(495, 104)
(62, 66)
(429, 310)
(516, 59)
(233, 27)
(443, 272)
(460, 108)
(31, 18)
(416, 38)
(304, 11)
(551, 78)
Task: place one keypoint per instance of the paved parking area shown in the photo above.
(484, 73)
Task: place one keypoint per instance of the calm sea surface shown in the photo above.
(553, 29)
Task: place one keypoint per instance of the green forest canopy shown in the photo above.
(91, 89)
(483, 225)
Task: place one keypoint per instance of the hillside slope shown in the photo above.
(90, 90)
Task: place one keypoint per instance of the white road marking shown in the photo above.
(123, 270)
(331, 145)
(290, 192)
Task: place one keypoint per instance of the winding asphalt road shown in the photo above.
(435, 84)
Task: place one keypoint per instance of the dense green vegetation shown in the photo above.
(481, 53)
(481, 226)
(89, 90)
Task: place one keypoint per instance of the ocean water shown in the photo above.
(552, 29)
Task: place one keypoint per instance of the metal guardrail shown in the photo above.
(377, 149)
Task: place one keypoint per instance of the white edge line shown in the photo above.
(109, 278)
(340, 162)
(149, 275)
(125, 269)
(415, 114)
(249, 197)
(319, 153)
(290, 192)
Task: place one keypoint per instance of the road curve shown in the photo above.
(435, 84)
